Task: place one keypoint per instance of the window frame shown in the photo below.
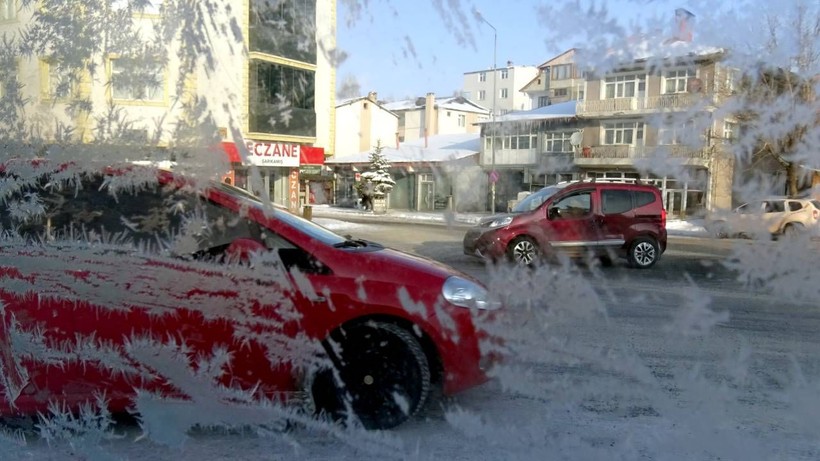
(623, 86)
(679, 79)
(161, 88)
(619, 131)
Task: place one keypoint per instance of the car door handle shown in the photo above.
(318, 299)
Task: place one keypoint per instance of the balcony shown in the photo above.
(625, 155)
(637, 105)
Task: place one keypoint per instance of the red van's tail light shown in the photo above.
(663, 217)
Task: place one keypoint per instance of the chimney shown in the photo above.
(372, 96)
(429, 116)
(684, 19)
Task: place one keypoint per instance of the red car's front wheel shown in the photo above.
(381, 374)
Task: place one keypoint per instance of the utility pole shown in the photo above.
(493, 176)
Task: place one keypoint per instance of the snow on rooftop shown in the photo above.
(453, 103)
(560, 110)
(440, 148)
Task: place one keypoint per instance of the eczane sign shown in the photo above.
(273, 154)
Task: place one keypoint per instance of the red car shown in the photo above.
(139, 280)
(602, 218)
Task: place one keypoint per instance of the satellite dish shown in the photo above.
(576, 138)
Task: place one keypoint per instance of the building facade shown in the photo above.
(559, 80)
(262, 94)
(500, 88)
(437, 174)
(428, 116)
(652, 120)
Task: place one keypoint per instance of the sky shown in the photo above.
(406, 48)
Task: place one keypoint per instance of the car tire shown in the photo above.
(523, 251)
(643, 253)
(380, 374)
(719, 230)
(793, 230)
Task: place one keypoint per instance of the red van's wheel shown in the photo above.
(643, 253)
(523, 251)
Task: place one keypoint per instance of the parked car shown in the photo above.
(116, 282)
(767, 218)
(581, 218)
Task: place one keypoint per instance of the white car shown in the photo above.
(767, 218)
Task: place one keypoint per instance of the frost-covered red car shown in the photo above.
(138, 286)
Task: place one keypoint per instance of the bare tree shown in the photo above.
(779, 100)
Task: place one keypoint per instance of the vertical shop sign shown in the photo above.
(293, 190)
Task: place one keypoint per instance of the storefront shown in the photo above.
(278, 170)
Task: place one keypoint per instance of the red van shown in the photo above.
(590, 218)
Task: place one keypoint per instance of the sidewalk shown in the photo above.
(678, 227)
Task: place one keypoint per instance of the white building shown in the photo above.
(427, 116)
(362, 123)
(507, 82)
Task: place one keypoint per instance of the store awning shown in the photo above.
(311, 155)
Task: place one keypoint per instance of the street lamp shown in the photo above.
(493, 174)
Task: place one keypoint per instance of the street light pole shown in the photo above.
(493, 176)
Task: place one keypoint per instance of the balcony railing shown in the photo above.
(610, 152)
(634, 152)
(677, 101)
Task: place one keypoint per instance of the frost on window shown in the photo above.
(178, 289)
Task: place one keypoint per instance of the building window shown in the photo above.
(482, 77)
(731, 77)
(730, 132)
(625, 86)
(504, 93)
(560, 92)
(137, 80)
(562, 72)
(8, 10)
(557, 141)
(629, 133)
(677, 81)
(543, 101)
(505, 74)
(58, 83)
(282, 99)
(462, 120)
(284, 28)
(482, 95)
(674, 135)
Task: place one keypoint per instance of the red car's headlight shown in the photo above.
(464, 293)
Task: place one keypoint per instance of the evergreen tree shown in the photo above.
(377, 182)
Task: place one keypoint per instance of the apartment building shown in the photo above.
(558, 80)
(644, 116)
(262, 93)
(500, 88)
(429, 116)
